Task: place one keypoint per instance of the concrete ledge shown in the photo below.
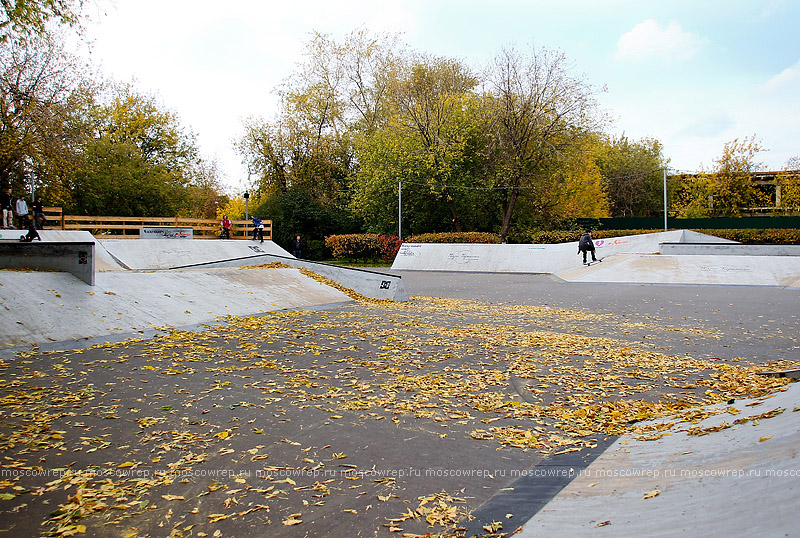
(729, 249)
(75, 257)
(372, 284)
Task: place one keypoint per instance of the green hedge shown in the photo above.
(454, 237)
(753, 236)
(769, 236)
(384, 247)
(545, 237)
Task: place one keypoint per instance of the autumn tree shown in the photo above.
(24, 19)
(435, 110)
(633, 175)
(536, 111)
(139, 160)
(728, 187)
(789, 185)
(41, 125)
(337, 93)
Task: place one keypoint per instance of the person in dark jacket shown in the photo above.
(32, 233)
(258, 229)
(297, 247)
(37, 210)
(585, 244)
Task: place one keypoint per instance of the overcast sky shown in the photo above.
(694, 74)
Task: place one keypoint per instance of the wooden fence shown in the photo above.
(128, 227)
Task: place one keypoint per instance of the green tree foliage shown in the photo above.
(40, 121)
(338, 93)
(431, 143)
(633, 175)
(24, 19)
(435, 112)
(537, 112)
(294, 213)
(139, 161)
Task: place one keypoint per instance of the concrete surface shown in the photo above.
(739, 481)
(782, 271)
(759, 324)
(733, 249)
(674, 257)
(76, 258)
(159, 254)
(152, 254)
(369, 283)
(550, 258)
(43, 307)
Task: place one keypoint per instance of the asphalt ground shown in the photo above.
(371, 419)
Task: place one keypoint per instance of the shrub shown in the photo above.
(363, 246)
(754, 236)
(455, 237)
(770, 236)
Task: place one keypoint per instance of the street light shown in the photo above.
(246, 206)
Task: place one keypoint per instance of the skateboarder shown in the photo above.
(258, 230)
(32, 233)
(585, 244)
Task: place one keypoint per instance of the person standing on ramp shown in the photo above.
(585, 244)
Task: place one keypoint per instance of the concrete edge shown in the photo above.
(369, 283)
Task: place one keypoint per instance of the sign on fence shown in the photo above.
(164, 232)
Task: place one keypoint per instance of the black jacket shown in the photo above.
(585, 242)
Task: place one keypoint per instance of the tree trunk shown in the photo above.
(507, 217)
(453, 212)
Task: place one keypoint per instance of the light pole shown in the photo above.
(246, 212)
(665, 199)
(400, 210)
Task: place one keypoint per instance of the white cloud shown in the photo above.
(649, 39)
(787, 80)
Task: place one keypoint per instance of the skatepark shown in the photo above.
(737, 476)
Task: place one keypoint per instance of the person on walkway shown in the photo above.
(258, 229)
(226, 227)
(37, 210)
(585, 244)
(297, 247)
(7, 206)
(22, 212)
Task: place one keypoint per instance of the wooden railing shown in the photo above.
(128, 227)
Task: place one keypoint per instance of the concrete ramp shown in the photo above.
(40, 307)
(540, 258)
(372, 284)
(710, 269)
(156, 254)
(733, 480)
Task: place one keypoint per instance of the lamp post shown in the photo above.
(665, 199)
(246, 206)
(400, 210)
